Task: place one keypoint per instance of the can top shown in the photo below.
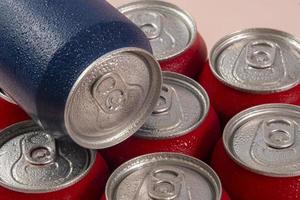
(33, 161)
(182, 107)
(265, 139)
(163, 176)
(257, 60)
(113, 98)
(169, 29)
(6, 97)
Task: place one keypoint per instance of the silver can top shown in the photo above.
(164, 176)
(257, 60)
(181, 108)
(113, 98)
(266, 139)
(33, 161)
(6, 97)
(169, 29)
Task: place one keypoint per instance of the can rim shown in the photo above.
(245, 116)
(136, 164)
(152, 96)
(227, 39)
(186, 16)
(29, 123)
(201, 94)
(6, 97)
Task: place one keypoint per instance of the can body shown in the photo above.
(41, 166)
(228, 101)
(198, 143)
(258, 156)
(183, 121)
(72, 44)
(182, 175)
(245, 185)
(90, 187)
(252, 67)
(173, 35)
(191, 62)
(10, 113)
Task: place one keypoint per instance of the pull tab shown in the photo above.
(279, 134)
(260, 54)
(110, 92)
(165, 184)
(165, 100)
(39, 149)
(148, 22)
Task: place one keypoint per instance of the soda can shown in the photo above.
(183, 121)
(252, 67)
(259, 155)
(76, 70)
(10, 113)
(172, 33)
(164, 176)
(36, 165)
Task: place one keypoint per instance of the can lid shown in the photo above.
(32, 161)
(181, 108)
(257, 60)
(163, 176)
(265, 139)
(169, 29)
(6, 97)
(113, 98)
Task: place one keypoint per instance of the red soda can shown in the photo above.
(10, 112)
(39, 166)
(252, 67)
(183, 121)
(164, 176)
(259, 157)
(172, 33)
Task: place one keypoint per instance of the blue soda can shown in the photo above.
(78, 67)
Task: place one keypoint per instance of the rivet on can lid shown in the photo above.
(33, 161)
(164, 176)
(112, 98)
(169, 29)
(182, 107)
(266, 139)
(257, 60)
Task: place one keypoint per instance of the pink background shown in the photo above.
(216, 18)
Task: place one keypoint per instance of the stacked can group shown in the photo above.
(183, 121)
(90, 77)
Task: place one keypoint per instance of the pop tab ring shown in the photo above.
(257, 60)
(265, 139)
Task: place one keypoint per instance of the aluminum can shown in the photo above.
(76, 70)
(36, 165)
(252, 67)
(258, 157)
(183, 121)
(172, 33)
(164, 176)
(10, 112)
